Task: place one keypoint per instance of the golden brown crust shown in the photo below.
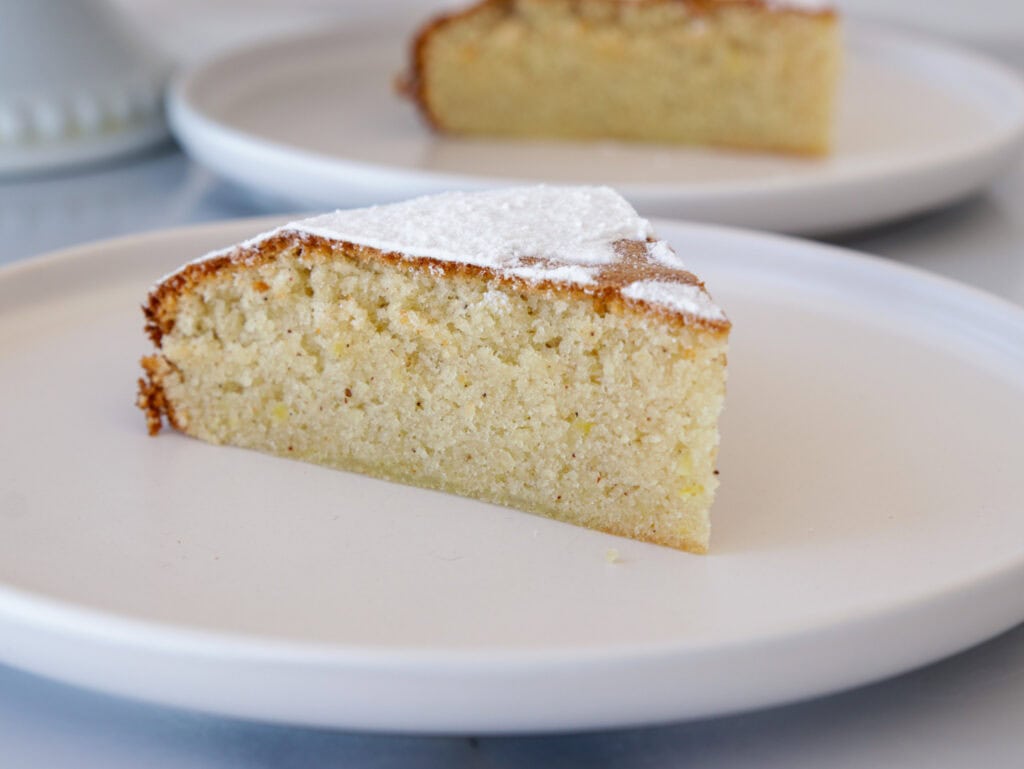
(161, 309)
(152, 398)
(632, 266)
(413, 86)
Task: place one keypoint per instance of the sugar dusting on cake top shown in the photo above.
(570, 226)
(587, 237)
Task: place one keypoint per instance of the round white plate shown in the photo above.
(315, 120)
(870, 520)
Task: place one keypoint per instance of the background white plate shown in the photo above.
(869, 521)
(315, 121)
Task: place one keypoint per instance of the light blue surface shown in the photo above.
(966, 712)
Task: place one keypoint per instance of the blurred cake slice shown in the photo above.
(533, 347)
(736, 73)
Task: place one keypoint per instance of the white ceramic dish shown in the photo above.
(315, 120)
(869, 521)
(76, 87)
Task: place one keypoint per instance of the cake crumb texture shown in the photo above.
(737, 73)
(591, 408)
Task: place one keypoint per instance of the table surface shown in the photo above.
(967, 711)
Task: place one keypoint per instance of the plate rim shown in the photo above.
(45, 158)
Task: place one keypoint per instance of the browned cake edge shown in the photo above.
(160, 310)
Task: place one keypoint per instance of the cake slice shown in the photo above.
(532, 347)
(739, 73)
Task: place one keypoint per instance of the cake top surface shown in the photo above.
(574, 226)
(587, 237)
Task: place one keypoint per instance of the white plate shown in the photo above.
(315, 120)
(869, 521)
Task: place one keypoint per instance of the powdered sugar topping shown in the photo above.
(540, 234)
(571, 226)
(661, 252)
(684, 298)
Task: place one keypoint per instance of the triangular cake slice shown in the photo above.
(756, 74)
(534, 347)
